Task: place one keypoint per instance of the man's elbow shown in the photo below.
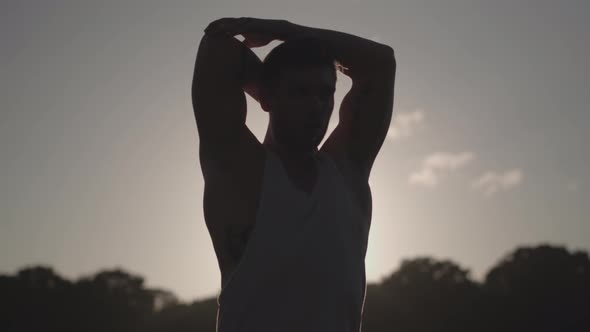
(385, 64)
(389, 56)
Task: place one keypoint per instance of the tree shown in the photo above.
(543, 288)
(424, 295)
(112, 300)
(34, 299)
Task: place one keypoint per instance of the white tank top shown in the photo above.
(303, 268)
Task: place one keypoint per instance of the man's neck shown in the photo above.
(300, 159)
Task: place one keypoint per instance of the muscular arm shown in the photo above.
(366, 110)
(224, 62)
(250, 72)
(362, 58)
(224, 69)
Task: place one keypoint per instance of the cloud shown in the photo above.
(436, 163)
(491, 182)
(404, 124)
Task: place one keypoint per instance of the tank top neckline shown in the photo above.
(318, 181)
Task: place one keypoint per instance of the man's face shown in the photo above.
(302, 106)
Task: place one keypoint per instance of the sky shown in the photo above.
(99, 147)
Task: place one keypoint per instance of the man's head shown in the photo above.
(297, 87)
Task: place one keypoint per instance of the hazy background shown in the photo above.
(99, 148)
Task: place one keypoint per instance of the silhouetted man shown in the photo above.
(289, 223)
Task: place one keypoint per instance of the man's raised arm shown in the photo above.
(366, 110)
(224, 69)
(360, 57)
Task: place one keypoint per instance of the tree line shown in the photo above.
(540, 288)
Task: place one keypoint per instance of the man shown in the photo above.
(289, 223)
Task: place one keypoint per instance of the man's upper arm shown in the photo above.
(218, 99)
(365, 115)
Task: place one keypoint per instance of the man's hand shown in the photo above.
(256, 32)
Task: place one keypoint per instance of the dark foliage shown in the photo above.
(543, 288)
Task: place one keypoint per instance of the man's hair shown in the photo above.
(300, 52)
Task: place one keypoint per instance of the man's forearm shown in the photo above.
(250, 70)
(249, 65)
(362, 58)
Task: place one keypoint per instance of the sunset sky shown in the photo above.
(487, 149)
